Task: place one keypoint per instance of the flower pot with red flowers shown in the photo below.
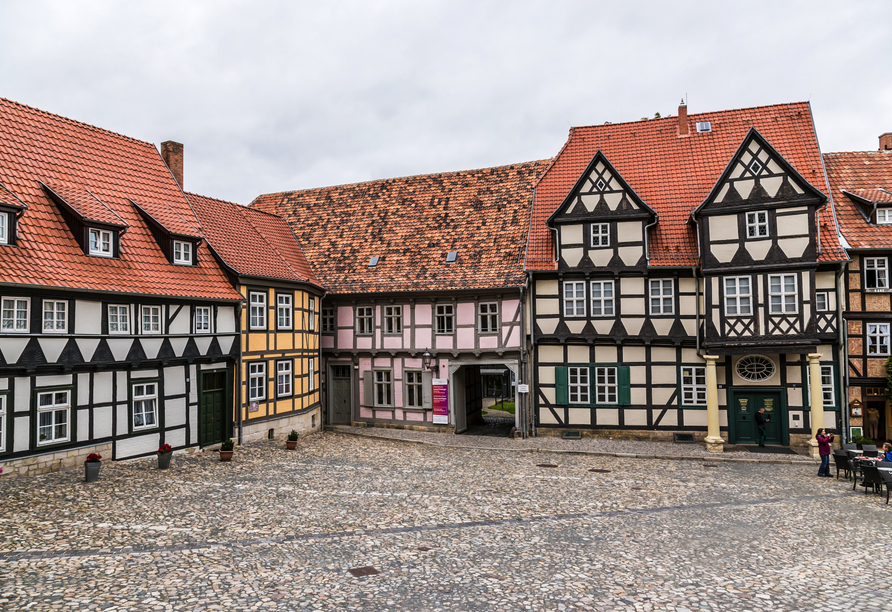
(92, 466)
(291, 443)
(165, 453)
(226, 450)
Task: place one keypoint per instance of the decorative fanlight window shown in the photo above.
(755, 368)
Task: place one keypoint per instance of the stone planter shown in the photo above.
(226, 455)
(164, 460)
(291, 444)
(91, 470)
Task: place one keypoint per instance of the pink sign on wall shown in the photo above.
(440, 397)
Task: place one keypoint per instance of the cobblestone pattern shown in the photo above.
(447, 529)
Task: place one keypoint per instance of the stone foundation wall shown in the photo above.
(53, 461)
(430, 428)
(302, 423)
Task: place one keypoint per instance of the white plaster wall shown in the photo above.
(175, 412)
(138, 445)
(102, 422)
(88, 318)
(226, 320)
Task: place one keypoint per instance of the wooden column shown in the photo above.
(714, 441)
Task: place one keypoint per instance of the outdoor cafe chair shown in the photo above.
(869, 448)
(886, 477)
(846, 446)
(842, 463)
(872, 479)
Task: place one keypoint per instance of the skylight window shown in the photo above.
(704, 126)
(373, 262)
(451, 256)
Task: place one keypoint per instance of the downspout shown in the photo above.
(238, 384)
(532, 360)
(697, 281)
(843, 374)
(323, 387)
(519, 397)
(647, 242)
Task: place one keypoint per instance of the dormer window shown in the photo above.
(182, 253)
(4, 228)
(884, 216)
(101, 242)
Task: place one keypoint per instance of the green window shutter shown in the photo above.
(562, 392)
(368, 388)
(625, 388)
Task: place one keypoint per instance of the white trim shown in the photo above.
(311, 366)
(3, 396)
(257, 310)
(448, 319)
(879, 334)
(738, 296)
(785, 305)
(56, 308)
(578, 385)
(284, 311)
(693, 386)
(148, 325)
(10, 310)
(757, 224)
(55, 409)
(4, 228)
(145, 396)
(202, 323)
(606, 385)
(285, 378)
(602, 304)
(488, 318)
(119, 310)
(574, 302)
(256, 381)
(601, 237)
(312, 321)
(182, 253)
(886, 217)
(104, 242)
(365, 320)
(663, 301)
(880, 268)
(393, 319)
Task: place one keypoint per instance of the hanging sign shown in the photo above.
(254, 407)
(523, 388)
(440, 398)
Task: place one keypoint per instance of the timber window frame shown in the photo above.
(757, 225)
(256, 381)
(488, 318)
(118, 319)
(884, 216)
(202, 319)
(4, 412)
(101, 242)
(603, 295)
(15, 315)
(56, 429)
(738, 296)
(284, 378)
(692, 386)
(783, 294)
(55, 316)
(311, 373)
(661, 296)
(822, 301)
(579, 385)
(600, 235)
(574, 298)
(414, 388)
(143, 405)
(445, 320)
(257, 310)
(876, 273)
(4, 227)
(328, 320)
(151, 321)
(393, 320)
(609, 385)
(877, 339)
(284, 311)
(365, 320)
(828, 385)
(311, 323)
(382, 381)
(182, 253)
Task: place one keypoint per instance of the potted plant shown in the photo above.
(165, 453)
(91, 467)
(291, 444)
(226, 450)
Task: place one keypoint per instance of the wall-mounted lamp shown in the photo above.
(426, 362)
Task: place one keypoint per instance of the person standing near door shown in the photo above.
(873, 421)
(824, 440)
(761, 420)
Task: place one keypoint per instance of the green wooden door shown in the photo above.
(746, 405)
(212, 408)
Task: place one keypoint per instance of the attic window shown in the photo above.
(884, 216)
(101, 242)
(373, 262)
(755, 167)
(4, 228)
(451, 256)
(182, 253)
(600, 184)
(704, 126)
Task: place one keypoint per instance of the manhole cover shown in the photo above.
(548, 465)
(599, 471)
(363, 571)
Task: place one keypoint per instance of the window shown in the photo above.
(451, 257)
(256, 381)
(4, 230)
(782, 294)
(365, 320)
(574, 299)
(876, 273)
(600, 234)
(704, 126)
(53, 412)
(661, 302)
(55, 316)
(757, 224)
(118, 319)
(393, 319)
(2, 422)
(414, 395)
(605, 385)
(738, 296)
(884, 216)
(693, 386)
(578, 385)
(257, 303)
(328, 320)
(312, 321)
(877, 338)
(14, 315)
(145, 405)
(755, 368)
(203, 320)
(488, 318)
(602, 298)
(151, 319)
(284, 378)
(828, 391)
(284, 311)
(383, 388)
(445, 319)
(822, 301)
(312, 373)
(182, 253)
(100, 243)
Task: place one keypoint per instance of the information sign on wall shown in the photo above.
(440, 397)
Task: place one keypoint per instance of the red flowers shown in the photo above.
(165, 448)
(94, 457)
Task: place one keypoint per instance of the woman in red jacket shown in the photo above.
(824, 439)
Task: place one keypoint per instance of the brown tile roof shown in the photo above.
(411, 223)
(252, 242)
(673, 175)
(83, 160)
(864, 174)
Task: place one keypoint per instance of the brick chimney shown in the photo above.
(886, 142)
(683, 129)
(172, 154)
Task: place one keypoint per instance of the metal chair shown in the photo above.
(887, 480)
(872, 479)
(884, 464)
(842, 463)
(870, 448)
(846, 446)
(857, 471)
(871, 453)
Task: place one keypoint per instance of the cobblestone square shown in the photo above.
(443, 529)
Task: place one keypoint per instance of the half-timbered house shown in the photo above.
(861, 184)
(426, 285)
(684, 262)
(117, 328)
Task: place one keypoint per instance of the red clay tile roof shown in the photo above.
(868, 175)
(252, 242)
(673, 175)
(38, 146)
(87, 205)
(168, 218)
(411, 223)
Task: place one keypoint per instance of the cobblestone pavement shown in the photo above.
(445, 529)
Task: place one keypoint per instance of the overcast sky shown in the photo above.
(272, 96)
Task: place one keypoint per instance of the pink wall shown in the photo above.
(382, 362)
(423, 314)
(414, 416)
(423, 338)
(345, 316)
(363, 342)
(393, 342)
(366, 413)
(328, 341)
(489, 342)
(509, 308)
(444, 342)
(465, 315)
(345, 338)
(465, 337)
(511, 336)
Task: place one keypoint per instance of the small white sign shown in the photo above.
(523, 388)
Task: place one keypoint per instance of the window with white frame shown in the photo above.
(257, 381)
(662, 296)
(828, 389)
(822, 301)
(574, 298)
(782, 294)
(2, 422)
(414, 397)
(312, 322)
(4, 229)
(328, 320)
(383, 388)
(488, 318)
(118, 319)
(578, 385)
(311, 371)
(602, 298)
(757, 224)
(693, 385)
(145, 405)
(101, 243)
(884, 216)
(606, 387)
(284, 378)
(284, 310)
(14, 314)
(365, 320)
(53, 417)
(876, 273)
(203, 320)
(445, 318)
(182, 253)
(738, 296)
(600, 234)
(257, 314)
(393, 319)
(151, 320)
(55, 316)
(878, 339)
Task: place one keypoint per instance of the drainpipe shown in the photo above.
(320, 368)
(237, 397)
(843, 374)
(523, 363)
(697, 308)
(532, 358)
